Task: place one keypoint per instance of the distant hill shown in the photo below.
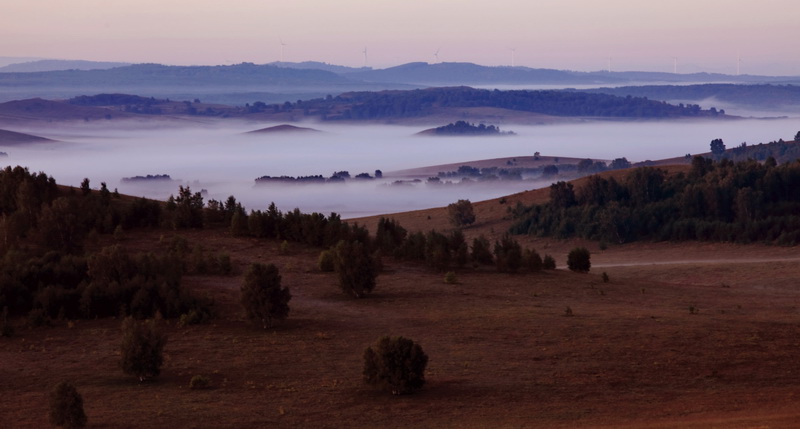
(37, 109)
(765, 95)
(463, 128)
(284, 129)
(54, 65)
(13, 138)
(448, 74)
(473, 74)
(424, 102)
(316, 65)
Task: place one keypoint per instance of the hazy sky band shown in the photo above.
(694, 35)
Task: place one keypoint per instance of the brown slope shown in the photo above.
(37, 109)
(13, 138)
(492, 216)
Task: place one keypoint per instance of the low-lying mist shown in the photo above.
(223, 161)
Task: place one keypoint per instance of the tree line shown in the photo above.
(420, 102)
(743, 202)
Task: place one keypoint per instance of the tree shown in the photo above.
(142, 348)
(620, 163)
(262, 296)
(797, 137)
(355, 267)
(562, 195)
(481, 251)
(578, 260)
(508, 254)
(186, 209)
(396, 364)
(85, 189)
(550, 171)
(66, 407)
(461, 213)
(717, 147)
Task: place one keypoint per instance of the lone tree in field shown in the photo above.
(142, 348)
(263, 297)
(355, 267)
(461, 213)
(66, 407)
(717, 147)
(396, 364)
(578, 260)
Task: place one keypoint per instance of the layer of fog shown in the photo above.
(223, 161)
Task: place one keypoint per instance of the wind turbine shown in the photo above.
(609, 64)
(282, 46)
(365, 56)
(738, 63)
(436, 54)
(675, 65)
(513, 51)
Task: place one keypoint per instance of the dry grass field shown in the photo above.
(503, 351)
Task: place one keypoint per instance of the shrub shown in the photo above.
(355, 267)
(481, 252)
(605, 277)
(450, 278)
(262, 296)
(225, 266)
(396, 364)
(578, 260)
(325, 261)
(66, 407)
(531, 260)
(199, 382)
(508, 254)
(37, 317)
(461, 213)
(142, 348)
(548, 263)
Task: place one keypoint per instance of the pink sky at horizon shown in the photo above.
(704, 35)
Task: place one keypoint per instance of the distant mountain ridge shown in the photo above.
(283, 81)
(56, 65)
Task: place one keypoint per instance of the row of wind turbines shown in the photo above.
(513, 59)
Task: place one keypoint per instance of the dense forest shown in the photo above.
(743, 202)
(386, 104)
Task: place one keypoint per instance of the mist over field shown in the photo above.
(222, 160)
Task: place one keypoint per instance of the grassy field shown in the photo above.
(690, 335)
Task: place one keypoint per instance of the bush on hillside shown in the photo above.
(396, 364)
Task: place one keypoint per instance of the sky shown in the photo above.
(689, 36)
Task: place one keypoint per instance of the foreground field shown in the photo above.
(503, 351)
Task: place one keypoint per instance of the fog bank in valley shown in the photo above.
(224, 161)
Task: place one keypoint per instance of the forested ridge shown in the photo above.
(743, 202)
(386, 104)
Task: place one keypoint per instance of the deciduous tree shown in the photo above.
(461, 213)
(142, 348)
(262, 296)
(66, 407)
(396, 364)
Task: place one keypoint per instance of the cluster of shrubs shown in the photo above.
(444, 251)
(742, 202)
